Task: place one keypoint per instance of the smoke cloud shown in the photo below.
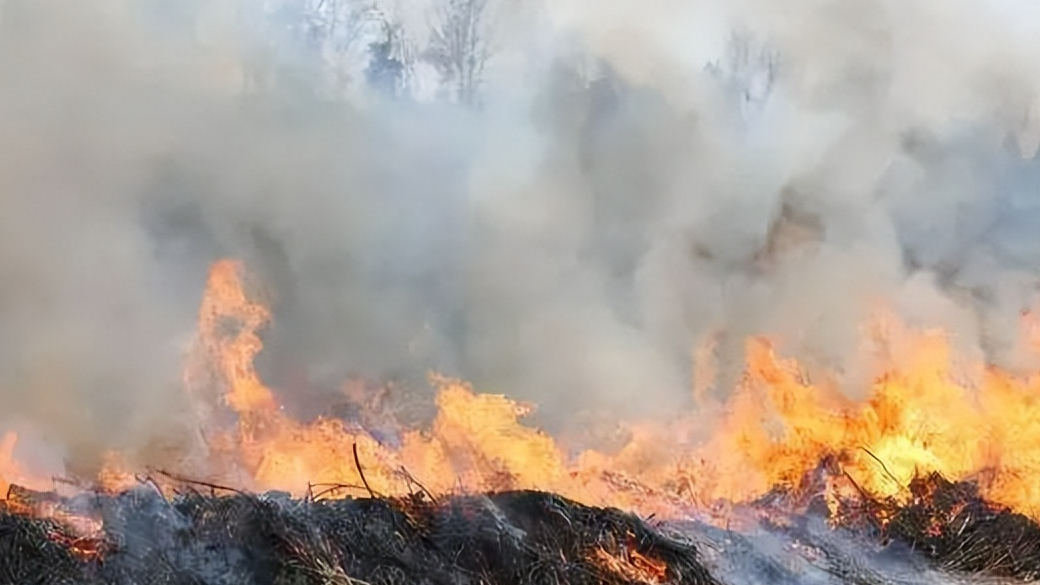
(638, 180)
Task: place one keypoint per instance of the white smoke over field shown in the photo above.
(589, 191)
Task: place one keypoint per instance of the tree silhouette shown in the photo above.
(460, 47)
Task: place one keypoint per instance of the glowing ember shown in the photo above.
(636, 567)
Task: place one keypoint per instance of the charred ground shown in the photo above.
(945, 533)
(507, 538)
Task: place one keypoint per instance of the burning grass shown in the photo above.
(948, 523)
(952, 524)
(514, 535)
(519, 537)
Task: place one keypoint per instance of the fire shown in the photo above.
(777, 426)
(13, 472)
(9, 468)
(920, 416)
(636, 567)
(228, 325)
(476, 441)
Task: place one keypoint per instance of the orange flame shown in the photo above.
(228, 324)
(776, 427)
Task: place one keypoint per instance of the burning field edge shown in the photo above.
(204, 534)
(502, 502)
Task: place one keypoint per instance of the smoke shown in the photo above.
(836, 158)
(613, 204)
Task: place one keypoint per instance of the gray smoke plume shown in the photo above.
(623, 184)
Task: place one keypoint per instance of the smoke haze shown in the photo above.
(614, 202)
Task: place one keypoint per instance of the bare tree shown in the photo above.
(334, 31)
(309, 41)
(748, 70)
(391, 66)
(406, 52)
(460, 46)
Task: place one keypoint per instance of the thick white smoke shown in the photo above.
(637, 179)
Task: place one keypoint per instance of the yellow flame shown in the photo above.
(776, 427)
